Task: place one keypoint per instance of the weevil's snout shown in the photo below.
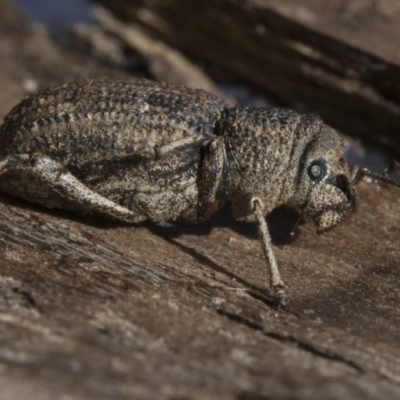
(329, 203)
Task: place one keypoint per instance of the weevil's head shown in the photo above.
(324, 189)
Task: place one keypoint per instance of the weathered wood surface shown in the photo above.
(90, 309)
(338, 58)
(93, 310)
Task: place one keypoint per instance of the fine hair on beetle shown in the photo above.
(136, 150)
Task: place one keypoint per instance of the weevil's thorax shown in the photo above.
(260, 145)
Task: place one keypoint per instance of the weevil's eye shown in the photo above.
(317, 170)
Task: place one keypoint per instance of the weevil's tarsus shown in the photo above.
(142, 149)
(292, 234)
(275, 277)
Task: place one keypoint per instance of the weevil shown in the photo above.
(137, 150)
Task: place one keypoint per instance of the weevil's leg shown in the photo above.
(276, 280)
(211, 170)
(56, 178)
(360, 173)
(179, 144)
(142, 149)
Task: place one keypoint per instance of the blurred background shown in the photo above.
(56, 14)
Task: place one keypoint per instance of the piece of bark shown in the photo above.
(337, 58)
(91, 309)
(29, 60)
(164, 63)
(99, 44)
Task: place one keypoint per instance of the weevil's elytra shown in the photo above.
(136, 150)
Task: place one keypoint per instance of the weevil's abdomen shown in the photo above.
(107, 133)
(100, 119)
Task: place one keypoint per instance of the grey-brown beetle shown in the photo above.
(136, 150)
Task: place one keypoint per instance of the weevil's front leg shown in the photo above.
(54, 177)
(358, 174)
(210, 179)
(276, 280)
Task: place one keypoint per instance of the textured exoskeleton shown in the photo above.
(136, 150)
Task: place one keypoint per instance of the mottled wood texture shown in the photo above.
(337, 58)
(89, 309)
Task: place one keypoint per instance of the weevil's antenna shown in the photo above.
(360, 173)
